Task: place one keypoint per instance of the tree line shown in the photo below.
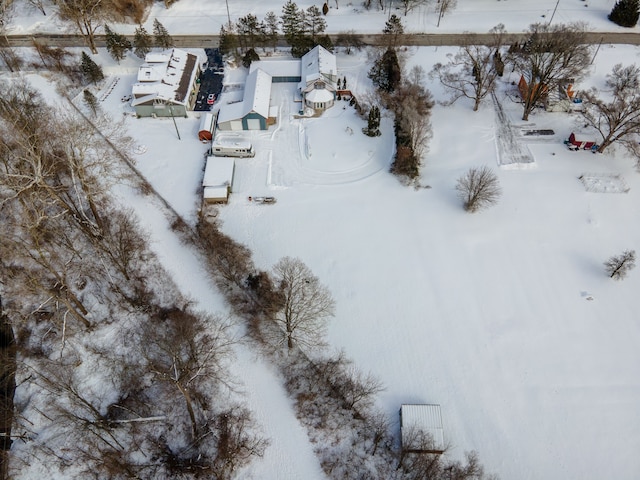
(118, 375)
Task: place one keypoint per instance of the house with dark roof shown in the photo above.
(167, 84)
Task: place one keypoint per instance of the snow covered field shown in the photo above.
(207, 16)
(505, 318)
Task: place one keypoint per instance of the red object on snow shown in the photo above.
(574, 144)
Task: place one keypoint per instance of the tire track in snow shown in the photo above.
(510, 150)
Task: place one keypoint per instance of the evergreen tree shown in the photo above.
(300, 45)
(91, 101)
(228, 41)
(248, 31)
(90, 69)
(373, 124)
(392, 29)
(314, 23)
(117, 44)
(142, 42)
(385, 72)
(292, 25)
(324, 41)
(161, 35)
(250, 56)
(270, 30)
(625, 13)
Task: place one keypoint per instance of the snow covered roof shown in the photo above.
(316, 62)
(215, 193)
(277, 68)
(319, 95)
(218, 172)
(257, 96)
(421, 418)
(206, 122)
(167, 75)
(230, 142)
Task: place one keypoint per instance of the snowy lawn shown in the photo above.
(486, 314)
(505, 318)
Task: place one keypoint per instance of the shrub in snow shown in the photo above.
(618, 266)
(478, 188)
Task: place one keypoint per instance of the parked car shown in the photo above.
(126, 98)
(211, 99)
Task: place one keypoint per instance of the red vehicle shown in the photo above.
(574, 144)
(211, 99)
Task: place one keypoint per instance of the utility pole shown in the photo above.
(554, 12)
(228, 16)
(174, 121)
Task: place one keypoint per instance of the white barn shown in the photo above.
(253, 113)
(421, 428)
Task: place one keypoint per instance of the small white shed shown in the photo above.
(218, 179)
(421, 428)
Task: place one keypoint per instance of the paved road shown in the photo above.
(418, 39)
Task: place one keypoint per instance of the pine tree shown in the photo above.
(314, 23)
(161, 35)
(250, 56)
(386, 73)
(271, 27)
(90, 69)
(142, 42)
(625, 13)
(228, 41)
(248, 31)
(373, 124)
(117, 44)
(291, 21)
(91, 101)
(392, 29)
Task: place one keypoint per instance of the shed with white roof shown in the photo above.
(421, 428)
(217, 182)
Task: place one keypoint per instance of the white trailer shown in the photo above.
(232, 148)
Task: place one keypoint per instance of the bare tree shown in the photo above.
(189, 353)
(87, 15)
(478, 188)
(443, 7)
(617, 119)
(409, 5)
(551, 54)
(470, 73)
(618, 266)
(39, 4)
(307, 304)
(236, 441)
(349, 40)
